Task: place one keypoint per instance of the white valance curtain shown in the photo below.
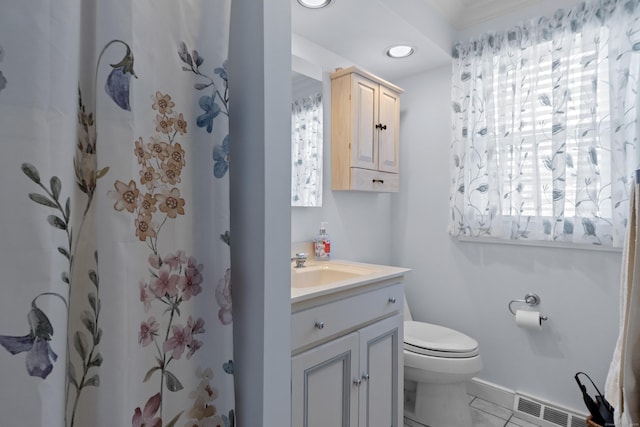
(545, 128)
(116, 299)
(306, 136)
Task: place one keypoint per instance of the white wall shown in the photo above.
(467, 286)
(260, 125)
(359, 223)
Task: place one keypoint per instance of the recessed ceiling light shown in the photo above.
(400, 51)
(315, 4)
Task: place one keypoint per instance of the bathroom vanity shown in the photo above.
(346, 333)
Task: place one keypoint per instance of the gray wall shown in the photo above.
(467, 286)
(260, 129)
(358, 223)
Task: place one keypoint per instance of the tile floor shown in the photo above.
(486, 414)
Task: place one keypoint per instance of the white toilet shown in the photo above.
(438, 362)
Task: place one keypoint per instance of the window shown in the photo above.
(544, 123)
(534, 134)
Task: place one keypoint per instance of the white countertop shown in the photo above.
(372, 273)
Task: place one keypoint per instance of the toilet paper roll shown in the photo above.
(526, 319)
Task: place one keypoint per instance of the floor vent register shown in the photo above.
(546, 415)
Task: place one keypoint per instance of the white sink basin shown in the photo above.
(322, 278)
(325, 274)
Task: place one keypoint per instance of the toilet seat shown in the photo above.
(438, 341)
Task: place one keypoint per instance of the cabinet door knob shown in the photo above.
(319, 324)
(383, 127)
(378, 126)
(392, 300)
(365, 376)
(357, 382)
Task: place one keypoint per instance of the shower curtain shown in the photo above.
(114, 243)
(622, 388)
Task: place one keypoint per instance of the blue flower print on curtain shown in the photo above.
(117, 85)
(213, 105)
(40, 356)
(221, 158)
(211, 111)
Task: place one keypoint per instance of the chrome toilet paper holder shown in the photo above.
(530, 299)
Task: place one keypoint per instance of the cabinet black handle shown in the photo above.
(378, 126)
(383, 127)
(381, 181)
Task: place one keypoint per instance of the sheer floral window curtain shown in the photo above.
(306, 135)
(544, 139)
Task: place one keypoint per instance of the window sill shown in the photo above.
(538, 243)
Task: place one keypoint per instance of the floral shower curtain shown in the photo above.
(306, 136)
(545, 129)
(116, 299)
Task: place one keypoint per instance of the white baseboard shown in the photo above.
(490, 392)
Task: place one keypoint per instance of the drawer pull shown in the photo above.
(392, 300)
(381, 181)
(319, 324)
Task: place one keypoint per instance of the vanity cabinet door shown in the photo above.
(381, 365)
(323, 392)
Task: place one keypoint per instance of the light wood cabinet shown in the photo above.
(346, 365)
(365, 132)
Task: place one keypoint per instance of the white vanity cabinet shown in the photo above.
(365, 132)
(347, 358)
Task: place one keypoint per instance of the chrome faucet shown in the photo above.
(300, 258)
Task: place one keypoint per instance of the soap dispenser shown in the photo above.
(323, 244)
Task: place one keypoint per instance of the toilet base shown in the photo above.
(440, 405)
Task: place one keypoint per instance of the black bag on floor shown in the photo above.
(601, 411)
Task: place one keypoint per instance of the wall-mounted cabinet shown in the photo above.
(365, 132)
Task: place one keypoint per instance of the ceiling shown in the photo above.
(465, 13)
(361, 30)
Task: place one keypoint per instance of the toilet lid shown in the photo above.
(438, 341)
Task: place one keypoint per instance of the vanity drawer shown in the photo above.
(327, 321)
(370, 180)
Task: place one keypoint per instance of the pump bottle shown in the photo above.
(323, 244)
